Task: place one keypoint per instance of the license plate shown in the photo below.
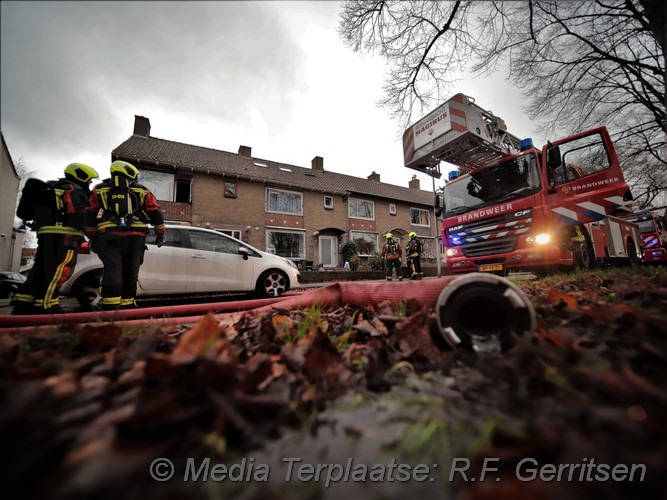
(491, 267)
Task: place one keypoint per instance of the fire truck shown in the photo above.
(653, 233)
(516, 207)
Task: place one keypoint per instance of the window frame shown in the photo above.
(373, 235)
(302, 243)
(270, 190)
(392, 209)
(231, 189)
(428, 217)
(234, 233)
(330, 205)
(355, 201)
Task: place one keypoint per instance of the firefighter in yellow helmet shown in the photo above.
(391, 252)
(413, 254)
(56, 211)
(117, 215)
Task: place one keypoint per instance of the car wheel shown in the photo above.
(88, 294)
(272, 284)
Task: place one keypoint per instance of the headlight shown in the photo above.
(540, 239)
(291, 263)
(452, 252)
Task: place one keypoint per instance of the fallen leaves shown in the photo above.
(92, 407)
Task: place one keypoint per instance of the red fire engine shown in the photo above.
(653, 233)
(518, 207)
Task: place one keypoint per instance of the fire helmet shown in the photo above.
(80, 173)
(389, 236)
(125, 169)
(412, 235)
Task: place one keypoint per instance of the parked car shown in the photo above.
(194, 261)
(9, 283)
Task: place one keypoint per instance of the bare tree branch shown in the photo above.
(580, 64)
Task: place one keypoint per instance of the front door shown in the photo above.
(328, 251)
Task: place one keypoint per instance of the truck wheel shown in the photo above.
(632, 255)
(583, 254)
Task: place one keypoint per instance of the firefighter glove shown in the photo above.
(161, 240)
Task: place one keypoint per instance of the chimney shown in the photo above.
(414, 183)
(245, 151)
(374, 177)
(318, 163)
(142, 126)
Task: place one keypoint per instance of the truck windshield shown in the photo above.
(505, 181)
(646, 226)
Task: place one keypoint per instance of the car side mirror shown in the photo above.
(244, 251)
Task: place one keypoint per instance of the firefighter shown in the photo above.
(413, 253)
(59, 220)
(391, 252)
(117, 215)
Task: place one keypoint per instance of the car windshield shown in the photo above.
(502, 182)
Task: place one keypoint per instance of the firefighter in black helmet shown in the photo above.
(117, 215)
(391, 251)
(57, 214)
(413, 254)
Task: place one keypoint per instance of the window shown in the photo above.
(173, 237)
(419, 217)
(580, 158)
(230, 232)
(366, 242)
(361, 209)
(159, 183)
(392, 209)
(167, 187)
(285, 243)
(284, 202)
(182, 190)
(328, 202)
(507, 180)
(230, 189)
(214, 242)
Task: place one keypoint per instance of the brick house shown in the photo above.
(11, 240)
(297, 212)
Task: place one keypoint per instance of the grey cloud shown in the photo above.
(67, 65)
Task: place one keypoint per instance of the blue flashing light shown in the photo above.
(452, 175)
(525, 144)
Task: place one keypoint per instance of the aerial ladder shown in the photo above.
(458, 132)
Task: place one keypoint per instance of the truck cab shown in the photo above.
(541, 210)
(653, 234)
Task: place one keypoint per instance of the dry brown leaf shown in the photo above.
(196, 341)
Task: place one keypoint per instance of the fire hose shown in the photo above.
(476, 311)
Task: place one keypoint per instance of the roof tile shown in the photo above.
(162, 152)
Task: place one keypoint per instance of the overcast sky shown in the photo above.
(274, 76)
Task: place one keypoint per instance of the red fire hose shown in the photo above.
(471, 309)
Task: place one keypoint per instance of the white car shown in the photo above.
(194, 261)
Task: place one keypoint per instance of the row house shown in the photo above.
(11, 239)
(301, 213)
